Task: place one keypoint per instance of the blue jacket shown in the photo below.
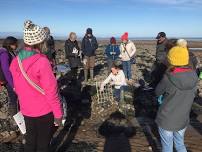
(112, 51)
(89, 46)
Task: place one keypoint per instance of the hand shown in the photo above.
(58, 122)
(101, 88)
(112, 83)
(85, 61)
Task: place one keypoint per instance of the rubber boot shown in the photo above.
(91, 74)
(85, 75)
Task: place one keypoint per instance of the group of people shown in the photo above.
(29, 79)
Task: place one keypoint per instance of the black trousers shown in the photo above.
(39, 131)
(12, 95)
(12, 100)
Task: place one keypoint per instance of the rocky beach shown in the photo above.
(80, 134)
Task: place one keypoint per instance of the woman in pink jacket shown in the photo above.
(41, 110)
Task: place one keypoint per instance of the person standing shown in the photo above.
(38, 92)
(160, 64)
(178, 88)
(89, 46)
(128, 50)
(72, 51)
(50, 45)
(112, 52)
(7, 53)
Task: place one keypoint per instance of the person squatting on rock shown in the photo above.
(117, 131)
(117, 79)
(41, 111)
(112, 52)
(160, 64)
(128, 50)
(7, 53)
(50, 47)
(179, 88)
(88, 47)
(73, 53)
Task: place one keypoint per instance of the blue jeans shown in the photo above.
(117, 93)
(127, 69)
(170, 137)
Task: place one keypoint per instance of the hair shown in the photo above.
(71, 33)
(8, 42)
(47, 30)
(41, 46)
(116, 66)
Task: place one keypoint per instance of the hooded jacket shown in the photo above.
(89, 46)
(179, 89)
(5, 61)
(38, 69)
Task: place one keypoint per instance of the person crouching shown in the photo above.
(117, 79)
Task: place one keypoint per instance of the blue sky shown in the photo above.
(141, 18)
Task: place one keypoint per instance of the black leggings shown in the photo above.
(39, 131)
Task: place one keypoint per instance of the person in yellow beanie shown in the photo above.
(178, 87)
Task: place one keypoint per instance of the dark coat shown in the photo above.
(74, 59)
(89, 46)
(112, 52)
(161, 52)
(178, 90)
(50, 48)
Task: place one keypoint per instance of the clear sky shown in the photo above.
(141, 18)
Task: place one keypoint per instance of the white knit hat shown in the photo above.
(182, 43)
(33, 34)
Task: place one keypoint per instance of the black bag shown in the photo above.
(133, 60)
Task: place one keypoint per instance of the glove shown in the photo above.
(58, 122)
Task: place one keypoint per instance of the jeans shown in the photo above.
(39, 131)
(170, 137)
(117, 94)
(127, 69)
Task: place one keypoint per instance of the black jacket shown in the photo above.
(74, 59)
(178, 90)
(89, 46)
(161, 52)
(50, 48)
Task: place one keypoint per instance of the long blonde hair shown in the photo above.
(70, 35)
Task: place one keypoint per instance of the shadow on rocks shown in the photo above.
(117, 130)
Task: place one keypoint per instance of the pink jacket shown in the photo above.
(33, 103)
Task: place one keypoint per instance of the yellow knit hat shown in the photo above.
(178, 56)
